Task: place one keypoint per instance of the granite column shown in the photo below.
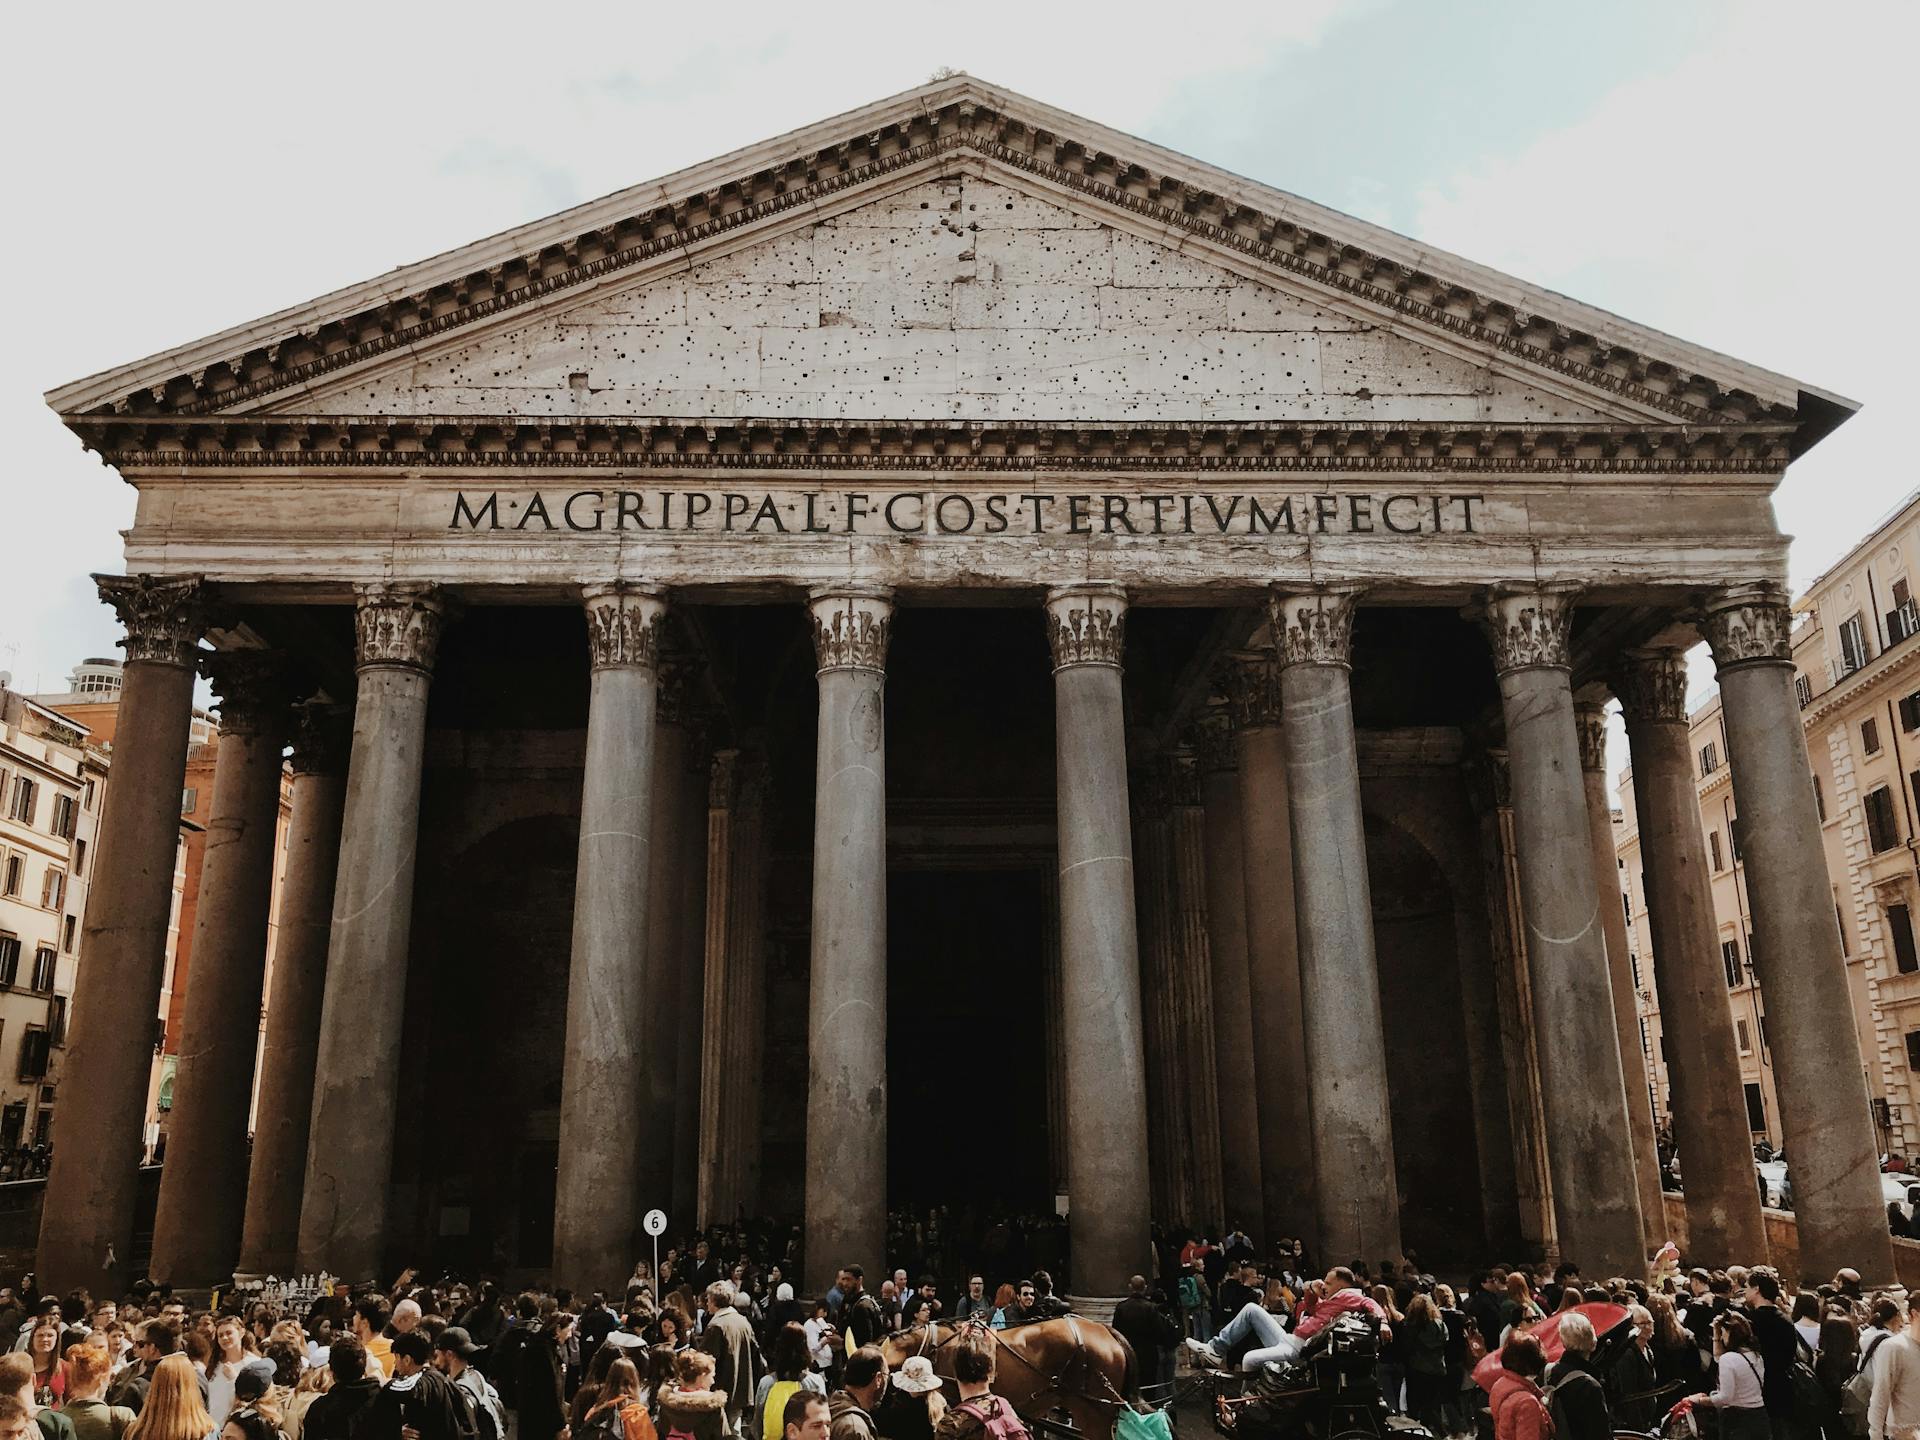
(1282, 1103)
(203, 1186)
(1193, 990)
(1352, 1125)
(847, 1023)
(1597, 1209)
(343, 1209)
(604, 1117)
(1099, 958)
(271, 1236)
(1796, 942)
(86, 1220)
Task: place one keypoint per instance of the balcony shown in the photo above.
(1903, 623)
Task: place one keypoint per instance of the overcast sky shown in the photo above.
(1740, 174)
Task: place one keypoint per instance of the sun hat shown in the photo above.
(916, 1377)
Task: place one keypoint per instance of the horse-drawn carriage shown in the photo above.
(1331, 1392)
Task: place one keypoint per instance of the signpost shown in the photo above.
(655, 1224)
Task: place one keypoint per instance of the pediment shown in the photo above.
(827, 275)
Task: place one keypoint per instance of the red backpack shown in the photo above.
(1001, 1424)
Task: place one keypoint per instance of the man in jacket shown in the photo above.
(336, 1414)
(543, 1397)
(419, 1403)
(453, 1356)
(1778, 1343)
(736, 1354)
(853, 1405)
(1152, 1334)
(859, 1311)
(158, 1339)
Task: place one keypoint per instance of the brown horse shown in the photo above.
(1046, 1369)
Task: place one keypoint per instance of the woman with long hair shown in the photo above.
(1741, 1374)
(619, 1411)
(790, 1369)
(172, 1410)
(1676, 1355)
(671, 1328)
(1426, 1361)
(314, 1382)
(49, 1375)
(89, 1366)
(588, 1395)
(659, 1372)
(1836, 1364)
(223, 1367)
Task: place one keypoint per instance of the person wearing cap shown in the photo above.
(913, 1405)
(253, 1390)
(418, 1403)
(453, 1356)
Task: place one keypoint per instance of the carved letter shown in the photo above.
(1077, 515)
(1111, 504)
(1325, 508)
(626, 506)
(489, 511)
(856, 507)
(1386, 514)
(1257, 517)
(535, 506)
(940, 515)
(1360, 514)
(1223, 520)
(706, 504)
(732, 508)
(919, 524)
(996, 506)
(1039, 516)
(599, 514)
(810, 528)
(767, 511)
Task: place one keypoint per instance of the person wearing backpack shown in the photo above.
(1575, 1397)
(791, 1370)
(1739, 1392)
(981, 1414)
(1895, 1410)
(863, 1383)
(619, 1413)
(1196, 1301)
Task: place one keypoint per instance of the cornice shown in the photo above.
(968, 124)
(603, 442)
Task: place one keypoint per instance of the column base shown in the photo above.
(1095, 1307)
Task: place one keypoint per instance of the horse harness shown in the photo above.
(1075, 1370)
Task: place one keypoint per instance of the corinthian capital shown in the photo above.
(1253, 688)
(1211, 736)
(1313, 627)
(1590, 724)
(1652, 685)
(322, 736)
(256, 690)
(1527, 627)
(851, 628)
(397, 626)
(1087, 625)
(164, 617)
(1749, 625)
(623, 625)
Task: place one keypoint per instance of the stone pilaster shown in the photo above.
(604, 1119)
(1590, 719)
(1282, 1104)
(86, 1222)
(1192, 990)
(1597, 1210)
(270, 1236)
(343, 1212)
(1796, 941)
(847, 1023)
(1351, 1121)
(1709, 1106)
(1227, 956)
(203, 1187)
(1100, 974)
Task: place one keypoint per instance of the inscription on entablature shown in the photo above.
(906, 513)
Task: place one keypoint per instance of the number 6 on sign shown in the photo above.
(655, 1223)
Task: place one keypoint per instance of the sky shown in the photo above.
(1740, 173)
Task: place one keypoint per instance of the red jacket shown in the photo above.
(1519, 1411)
(1338, 1303)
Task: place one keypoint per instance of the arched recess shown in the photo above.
(1436, 1159)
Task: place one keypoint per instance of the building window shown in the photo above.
(1742, 1037)
(57, 1020)
(188, 799)
(1900, 926)
(86, 797)
(1730, 958)
(13, 1124)
(26, 796)
(1870, 735)
(1713, 846)
(1841, 920)
(34, 1044)
(1709, 758)
(1819, 802)
(80, 849)
(16, 874)
(1903, 621)
(64, 812)
(1633, 961)
(1803, 688)
(1646, 1045)
(9, 958)
(1853, 645)
(1913, 1049)
(1883, 832)
(1756, 1109)
(43, 963)
(53, 889)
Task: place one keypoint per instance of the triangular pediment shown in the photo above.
(1085, 275)
(957, 298)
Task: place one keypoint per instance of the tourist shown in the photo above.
(913, 1405)
(158, 1339)
(1196, 1300)
(975, 1300)
(737, 1361)
(1424, 1342)
(807, 1417)
(89, 1367)
(223, 1366)
(253, 1390)
(619, 1413)
(863, 1383)
(1894, 1411)
(785, 1310)
(1677, 1361)
(1152, 1334)
(670, 1328)
(1777, 1342)
(315, 1381)
(371, 1315)
(1739, 1395)
(980, 1412)
(173, 1408)
(659, 1375)
(1025, 1307)
(1806, 1318)
(1519, 1408)
(588, 1391)
(689, 1402)
(454, 1351)
(336, 1415)
(542, 1409)
(1836, 1362)
(15, 1422)
(790, 1368)
(1635, 1376)
(1884, 1318)
(1391, 1370)
(1485, 1306)
(418, 1399)
(49, 1375)
(1576, 1398)
(860, 1315)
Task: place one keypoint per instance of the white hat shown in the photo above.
(784, 1292)
(916, 1377)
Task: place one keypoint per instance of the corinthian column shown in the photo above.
(203, 1186)
(676, 905)
(1227, 953)
(86, 1220)
(271, 1235)
(1193, 987)
(1590, 1149)
(847, 1026)
(1282, 1102)
(1352, 1126)
(1796, 942)
(1709, 1106)
(1099, 958)
(1591, 718)
(603, 1087)
(343, 1211)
